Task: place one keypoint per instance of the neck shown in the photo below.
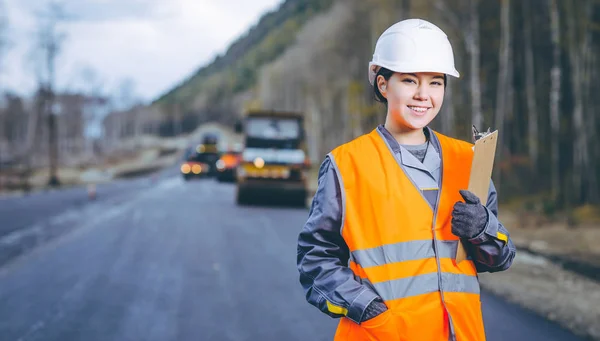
(406, 135)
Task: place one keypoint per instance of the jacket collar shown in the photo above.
(432, 159)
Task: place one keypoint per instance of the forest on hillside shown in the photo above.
(237, 69)
(527, 69)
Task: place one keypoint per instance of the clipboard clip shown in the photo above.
(477, 135)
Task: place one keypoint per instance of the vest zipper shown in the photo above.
(452, 336)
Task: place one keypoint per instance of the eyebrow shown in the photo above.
(415, 75)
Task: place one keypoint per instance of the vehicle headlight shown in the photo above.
(197, 169)
(220, 165)
(259, 162)
(185, 168)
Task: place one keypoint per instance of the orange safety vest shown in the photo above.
(402, 249)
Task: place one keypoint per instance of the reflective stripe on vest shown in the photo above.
(396, 247)
(424, 284)
(405, 251)
(388, 255)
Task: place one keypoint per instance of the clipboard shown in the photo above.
(481, 173)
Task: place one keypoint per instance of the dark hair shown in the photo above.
(387, 74)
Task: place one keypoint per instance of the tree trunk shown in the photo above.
(591, 70)
(578, 48)
(532, 114)
(585, 56)
(504, 78)
(32, 130)
(449, 113)
(555, 75)
(590, 101)
(473, 44)
(52, 142)
(406, 9)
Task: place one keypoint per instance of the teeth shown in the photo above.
(419, 109)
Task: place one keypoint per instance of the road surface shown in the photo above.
(174, 260)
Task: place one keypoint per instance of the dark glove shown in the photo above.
(374, 308)
(469, 218)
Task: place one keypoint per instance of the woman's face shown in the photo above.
(414, 99)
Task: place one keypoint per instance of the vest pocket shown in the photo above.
(383, 327)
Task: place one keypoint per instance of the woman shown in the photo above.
(379, 246)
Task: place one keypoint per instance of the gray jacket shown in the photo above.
(323, 255)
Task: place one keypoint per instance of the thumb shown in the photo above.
(469, 197)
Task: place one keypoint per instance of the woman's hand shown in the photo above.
(375, 308)
(469, 218)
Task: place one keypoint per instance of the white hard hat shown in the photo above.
(413, 45)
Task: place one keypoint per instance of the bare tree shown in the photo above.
(580, 37)
(3, 37)
(532, 114)
(96, 100)
(126, 97)
(405, 8)
(3, 44)
(464, 18)
(555, 75)
(94, 83)
(49, 41)
(504, 67)
(505, 86)
(473, 48)
(591, 100)
(124, 101)
(93, 89)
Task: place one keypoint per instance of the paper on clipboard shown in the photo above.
(481, 173)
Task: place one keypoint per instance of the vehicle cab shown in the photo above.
(274, 160)
(201, 160)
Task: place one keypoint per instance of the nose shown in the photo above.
(421, 94)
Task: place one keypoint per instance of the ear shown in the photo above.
(382, 85)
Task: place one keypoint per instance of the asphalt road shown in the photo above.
(174, 260)
(26, 210)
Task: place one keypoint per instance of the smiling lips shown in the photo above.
(419, 111)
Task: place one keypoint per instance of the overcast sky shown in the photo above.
(155, 43)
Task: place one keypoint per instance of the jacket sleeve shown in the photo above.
(492, 250)
(323, 255)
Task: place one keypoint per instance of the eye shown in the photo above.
(436, 83)
(409, 80)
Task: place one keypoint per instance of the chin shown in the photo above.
(412, 122)
(417, 124)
